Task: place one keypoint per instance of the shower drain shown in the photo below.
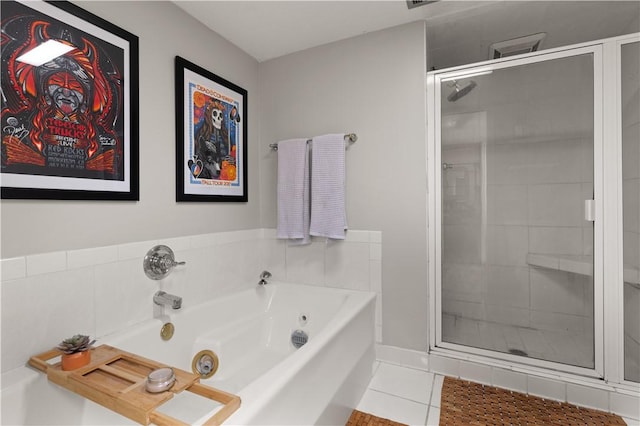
(299, 338)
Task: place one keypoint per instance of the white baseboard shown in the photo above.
(404, 357)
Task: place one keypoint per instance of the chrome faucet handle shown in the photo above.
(159, 262)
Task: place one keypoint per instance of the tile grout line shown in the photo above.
(397, 396)
(433, 382)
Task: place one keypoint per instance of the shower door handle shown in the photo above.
(590, 210)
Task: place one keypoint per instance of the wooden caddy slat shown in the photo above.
(115, 379)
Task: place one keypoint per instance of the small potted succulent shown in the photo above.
(75, 351)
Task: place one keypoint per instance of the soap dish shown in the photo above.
(160, 380)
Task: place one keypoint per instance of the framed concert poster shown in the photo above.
(211, 136)
(69, 104)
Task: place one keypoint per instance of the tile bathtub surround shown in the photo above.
(108, 290)
(354, 264)
(40, 311)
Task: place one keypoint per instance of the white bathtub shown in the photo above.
(250, 332)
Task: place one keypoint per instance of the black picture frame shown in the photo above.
(211, 136)
(82, 144)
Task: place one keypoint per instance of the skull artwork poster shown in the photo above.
(211, 136)
(214, 150)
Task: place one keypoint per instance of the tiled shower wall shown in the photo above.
(539, 169)
(99, 291)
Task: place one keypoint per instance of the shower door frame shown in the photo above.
(614, 248)
(434, 160)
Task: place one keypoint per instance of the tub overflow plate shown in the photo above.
(303, 319)
(166, 332)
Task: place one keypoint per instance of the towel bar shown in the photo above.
(352, 137)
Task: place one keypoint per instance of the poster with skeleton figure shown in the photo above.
(212, 147)
(65, 121)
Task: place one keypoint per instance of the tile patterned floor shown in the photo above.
(403, 394)
(406, 395)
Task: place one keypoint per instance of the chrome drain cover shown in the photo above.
(299, 338)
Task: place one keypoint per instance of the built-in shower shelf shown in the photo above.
(582, 265)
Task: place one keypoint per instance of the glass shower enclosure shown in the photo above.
(534, 211)
(517, 249)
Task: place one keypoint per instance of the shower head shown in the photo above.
(461, 91)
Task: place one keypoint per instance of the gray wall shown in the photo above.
(372, 85)
(164, 30)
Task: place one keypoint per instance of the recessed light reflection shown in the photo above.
(44, 53)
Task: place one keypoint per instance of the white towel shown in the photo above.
(293, 191)
(328, 215)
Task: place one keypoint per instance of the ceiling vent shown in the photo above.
(516, 46)
(415, 3)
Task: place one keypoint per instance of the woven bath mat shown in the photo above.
(358, 418)
(467, 403)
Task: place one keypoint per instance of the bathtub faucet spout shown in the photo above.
(161, 298)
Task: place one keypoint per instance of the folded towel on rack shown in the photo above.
(293, 191)
(328, 214)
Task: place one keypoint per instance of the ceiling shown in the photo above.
(457, 31)
(466, 37)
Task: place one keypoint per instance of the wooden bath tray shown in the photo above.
(115, 379)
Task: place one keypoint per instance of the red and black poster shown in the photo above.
(66, 118)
